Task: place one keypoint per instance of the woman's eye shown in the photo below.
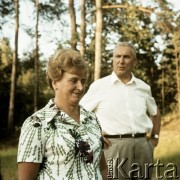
(73, 81)
(83, 82)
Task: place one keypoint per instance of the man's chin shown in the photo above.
(120, 73)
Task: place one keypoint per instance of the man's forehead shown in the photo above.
(123, 50)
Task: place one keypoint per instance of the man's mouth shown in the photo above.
(121, 68)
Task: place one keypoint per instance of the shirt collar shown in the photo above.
(114, 78)
(50, 110)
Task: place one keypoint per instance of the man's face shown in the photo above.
(123, 61)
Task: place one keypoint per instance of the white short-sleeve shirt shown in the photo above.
(121, 108)
(54, 139)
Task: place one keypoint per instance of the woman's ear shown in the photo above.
(54, 85)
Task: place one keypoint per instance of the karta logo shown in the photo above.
(116, 168)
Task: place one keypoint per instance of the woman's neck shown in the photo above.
(71, 109)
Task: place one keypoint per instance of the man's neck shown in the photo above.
(126, 78)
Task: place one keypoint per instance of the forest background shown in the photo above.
(93, 28)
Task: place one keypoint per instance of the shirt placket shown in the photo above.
(129, 108)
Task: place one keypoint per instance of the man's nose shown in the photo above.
(121, 59)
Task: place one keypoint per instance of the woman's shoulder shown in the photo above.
(42, 116)
(92, 117)
(87, 112)
(34, 119)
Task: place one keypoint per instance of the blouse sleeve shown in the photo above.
(31, 143)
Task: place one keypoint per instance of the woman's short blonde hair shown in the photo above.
(64, 60)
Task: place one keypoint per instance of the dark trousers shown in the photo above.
(130, 158)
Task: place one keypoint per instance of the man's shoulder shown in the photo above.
(103, 80)
(142, 83)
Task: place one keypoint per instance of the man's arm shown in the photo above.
(156, 120)
(107, 143)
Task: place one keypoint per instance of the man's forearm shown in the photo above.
(156, 120)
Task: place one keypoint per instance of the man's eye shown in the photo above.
(118, 56)
(127, 57)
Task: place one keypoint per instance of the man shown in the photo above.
(127, 113)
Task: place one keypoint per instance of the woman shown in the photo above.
(62, 140)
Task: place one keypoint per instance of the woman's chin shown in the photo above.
(76, 100)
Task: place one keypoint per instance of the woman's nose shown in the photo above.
(80, 86)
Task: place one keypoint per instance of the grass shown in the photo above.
(8, 163)
(168, 149)
(167, 155)
(8, 157)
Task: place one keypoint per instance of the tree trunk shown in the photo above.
(73, 24)
(176, 43)
(163, 89)
(36, 59)
(178, 80)
(83, 28)
(14, 72)
(98, 40)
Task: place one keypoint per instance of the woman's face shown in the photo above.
(70, 88)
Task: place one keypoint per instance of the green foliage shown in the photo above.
(6, 9)
(25, 88)
(25, 85)
(5, 53)
(132, 23)
(5, 74)
(168, 77)
(51, 9)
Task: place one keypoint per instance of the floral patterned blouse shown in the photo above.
(66, 149)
